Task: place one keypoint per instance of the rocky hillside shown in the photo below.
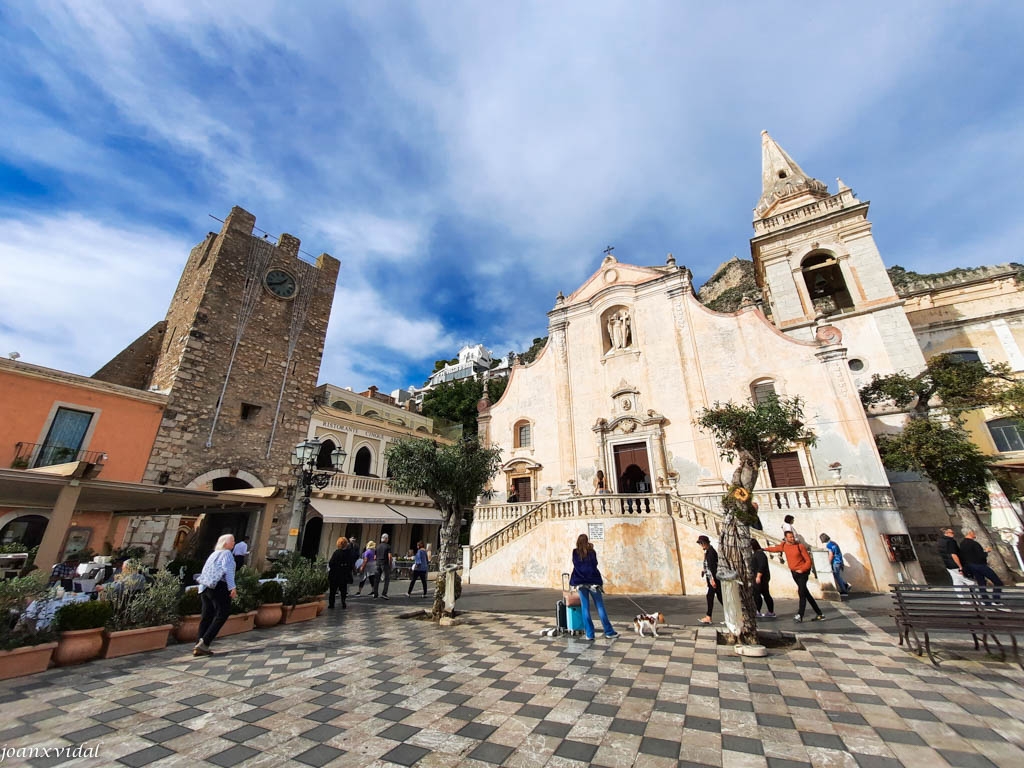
(724, 290)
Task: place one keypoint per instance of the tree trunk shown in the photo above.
(971, 520)
(447, 555)
(735, 544)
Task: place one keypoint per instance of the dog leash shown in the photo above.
(634, 602)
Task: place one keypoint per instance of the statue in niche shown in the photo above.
(620, 332)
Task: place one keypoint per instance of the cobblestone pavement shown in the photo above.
(363, 687)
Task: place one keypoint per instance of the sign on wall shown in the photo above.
(595, 531)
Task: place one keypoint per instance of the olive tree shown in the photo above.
(748, 434)
(453, 476)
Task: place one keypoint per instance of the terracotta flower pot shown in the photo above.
(300, 612)
(25, 661)
(128, 641)
(188, 630)
(238, 623)
(269, 615)
(321, 604)
(77, 646)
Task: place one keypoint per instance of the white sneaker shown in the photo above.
(798, 618)
(760, 615)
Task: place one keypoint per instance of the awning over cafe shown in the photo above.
(340, 511)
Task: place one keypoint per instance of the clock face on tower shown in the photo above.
(280, 283)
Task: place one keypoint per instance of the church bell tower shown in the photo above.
(817, 264)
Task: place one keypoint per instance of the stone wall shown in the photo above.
(224, 388)
(133, 366)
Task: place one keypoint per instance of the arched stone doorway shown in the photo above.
(311, 537)
(363, 462)
(323, 458)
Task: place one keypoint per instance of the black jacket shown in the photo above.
(947, 548)
(339, 568)
(759, 561)
(710, 564)
(972, 553)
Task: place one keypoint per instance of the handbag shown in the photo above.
(569, 595)
(359, 564)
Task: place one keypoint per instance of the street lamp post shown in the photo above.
(304, 458)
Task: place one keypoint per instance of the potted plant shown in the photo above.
(24, 648)
(80, 631)
(143, 618)
(190, 610)
(270, 612)
(299, 602)
(319, 584)
(245, 603)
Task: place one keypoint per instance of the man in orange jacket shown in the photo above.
(799, 561)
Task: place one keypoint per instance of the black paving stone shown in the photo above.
(823, 740)
(183, 714)
(742, 744)
(551, 728)
(496, 754)
(114, 714)
(88, 734)
(254, 715)
(146, 756)
(319, 756)
(976, 732)
(965, 759)
(325, 714)
(243, 734)
(323, 732)
(899, 736)
(405, 754)
(876, 761)
(232, 756)
(622, 725)
(397, 732)
(576, 750)
(702, 724)
(910, 713)
(160, 735)
(478, 731)
(775, 721)
(462, 713)
(659, 747)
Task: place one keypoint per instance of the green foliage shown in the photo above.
(130, 553)
(15, 595)
(13, 548)
(152, 606)
(455, 401)
(247, 596)
(535, 349)
(452, 475)
(306, 581)
(77, 616)
(959, 385)
(190, 603)
(190, 565)
(271, 592)
(942, 453)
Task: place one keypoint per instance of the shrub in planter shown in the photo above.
(247, 596)
(190, 606)
(190, 603)
(271, 592)
(80, 628)
(154, 608)
(24, 649)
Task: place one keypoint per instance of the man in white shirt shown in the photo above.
(240, 550)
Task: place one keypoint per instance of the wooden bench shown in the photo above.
(967, 609)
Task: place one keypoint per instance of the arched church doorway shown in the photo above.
(311, 537)
(632, 468)
(27, 530)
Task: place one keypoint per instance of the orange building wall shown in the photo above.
(124, 429)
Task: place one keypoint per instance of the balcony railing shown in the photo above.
(29, 455)
(362, 486)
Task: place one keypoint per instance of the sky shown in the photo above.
(467, 161)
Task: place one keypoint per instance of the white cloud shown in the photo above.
(77, 291)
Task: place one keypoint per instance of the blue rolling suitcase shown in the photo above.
(574, 618)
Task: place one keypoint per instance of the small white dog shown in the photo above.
(649, 621)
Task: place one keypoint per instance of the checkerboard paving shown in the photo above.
(362, 687)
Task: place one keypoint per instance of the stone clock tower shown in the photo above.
(817, 264)
(239, 356)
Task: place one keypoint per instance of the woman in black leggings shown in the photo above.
(419, 569)
(762, 579)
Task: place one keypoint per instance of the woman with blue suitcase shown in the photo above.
(587, 579)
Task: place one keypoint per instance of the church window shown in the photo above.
(341, 405)
(523, 435)
(371, 415)
(1006, 435)
(856, 365)
(250, 412)
(763, 391)
(965, 356)
(825, 283)
(782, 174)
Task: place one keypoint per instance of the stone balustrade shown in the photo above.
(806, 498)
(365, 488)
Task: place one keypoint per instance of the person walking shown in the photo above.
(339, 571)
(975, 561)
(358, 566)
(216, 591)
(835, 559)
(385, 561)
(588, 582)
(762, 579)
(240, 550)
(799, 561)
(420, 566)
(949, 551)
(710, 575)
(370, 568)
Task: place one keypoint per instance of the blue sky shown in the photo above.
(466, 161)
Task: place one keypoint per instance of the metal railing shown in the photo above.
(30, 455)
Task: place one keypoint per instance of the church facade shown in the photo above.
(600, 428)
